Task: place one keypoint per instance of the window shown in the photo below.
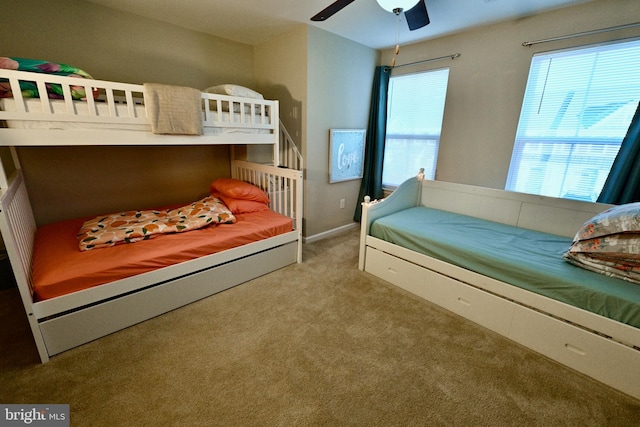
(577, 108)
(414, 120)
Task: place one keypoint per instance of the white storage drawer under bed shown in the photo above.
(570, 345)
(478, 306)
(70, 330)
(579, 349)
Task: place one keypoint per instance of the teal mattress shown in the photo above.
(528, 259)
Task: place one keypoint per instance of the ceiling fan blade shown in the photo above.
(417, 16)
(332, 9)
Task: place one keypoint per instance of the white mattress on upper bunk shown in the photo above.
(130, 121)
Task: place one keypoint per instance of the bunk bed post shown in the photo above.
(4, 182)
(18, 228)
(275, 119)
(299, 212)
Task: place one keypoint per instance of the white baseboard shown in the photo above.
(330, 233)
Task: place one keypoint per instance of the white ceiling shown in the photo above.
(363, 21)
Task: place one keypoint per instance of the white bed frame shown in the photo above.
(64, 322)
(604, 349)
(121, 117)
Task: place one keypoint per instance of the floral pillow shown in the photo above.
(619, 245)
(609, 243)
(618, 219)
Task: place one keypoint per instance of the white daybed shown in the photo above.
(118, 118)
(599, 346)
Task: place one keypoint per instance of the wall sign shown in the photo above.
(346, 154)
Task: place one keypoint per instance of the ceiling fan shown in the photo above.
(415, 11)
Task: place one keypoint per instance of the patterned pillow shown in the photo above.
(609, 243)
(619, 245)
(30, 89)
(618, 219)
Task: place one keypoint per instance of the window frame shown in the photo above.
(523, 137)
(416, 136)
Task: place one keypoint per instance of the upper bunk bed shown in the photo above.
(229, 114)
(130, 114)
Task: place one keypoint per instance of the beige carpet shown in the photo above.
(314, 344)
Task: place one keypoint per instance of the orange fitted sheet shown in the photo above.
(59, 267)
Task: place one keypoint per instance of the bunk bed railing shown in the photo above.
(290, 156)
(122, 103)
(18, 228)
(283, 186)
(249, 112)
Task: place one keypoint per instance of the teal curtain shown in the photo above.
(374, 146)
(623, 183)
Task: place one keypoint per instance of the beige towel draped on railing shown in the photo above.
(173, 110)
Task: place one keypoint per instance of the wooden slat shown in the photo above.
(44, 99)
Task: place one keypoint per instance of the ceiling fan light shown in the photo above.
(390, 5)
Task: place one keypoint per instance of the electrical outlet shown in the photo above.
(341, 203)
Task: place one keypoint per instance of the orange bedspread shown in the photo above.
(59, 267)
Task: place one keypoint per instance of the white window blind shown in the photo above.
(414, 121)
(577, 108)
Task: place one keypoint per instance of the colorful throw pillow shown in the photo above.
(618, 219)
(30, 89)
(240, 206)
(237, 189)
(609, 243)
(619, 245)
(617, 267)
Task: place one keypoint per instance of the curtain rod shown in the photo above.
(452, 57)
(586, 33)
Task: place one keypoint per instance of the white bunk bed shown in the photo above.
(118, 117)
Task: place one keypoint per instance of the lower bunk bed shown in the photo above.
(496, 258)
(72, 297)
